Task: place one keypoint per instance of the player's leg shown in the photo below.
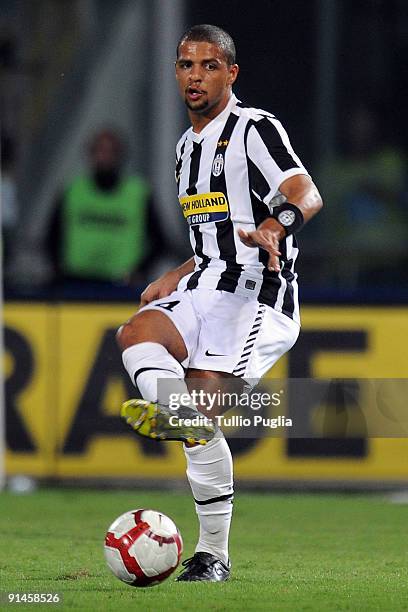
(153, 349)
(210, 474)
(253, 338)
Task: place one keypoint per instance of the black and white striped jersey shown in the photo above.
(228, 178)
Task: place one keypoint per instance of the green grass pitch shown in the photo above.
(289, 552)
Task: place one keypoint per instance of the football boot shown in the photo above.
(204, 567)
(152, 420)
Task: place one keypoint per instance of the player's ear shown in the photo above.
(233, 73)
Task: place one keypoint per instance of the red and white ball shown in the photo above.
(143, 547)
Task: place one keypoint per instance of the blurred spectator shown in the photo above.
(8, 196)
(367, 224)
(105, 227)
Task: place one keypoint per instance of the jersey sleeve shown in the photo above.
(179, 153)
(271, 159)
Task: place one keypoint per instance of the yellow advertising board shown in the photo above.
(31, 373)
(92, 439)
(65, 384)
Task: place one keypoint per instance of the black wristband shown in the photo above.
(289, 216)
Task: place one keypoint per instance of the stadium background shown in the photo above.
(68, 68)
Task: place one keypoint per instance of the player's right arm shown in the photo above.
(163, 286)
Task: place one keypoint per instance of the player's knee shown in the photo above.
(138, 329)
(126, 335)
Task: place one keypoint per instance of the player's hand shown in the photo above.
(267, 236)
(160, 288)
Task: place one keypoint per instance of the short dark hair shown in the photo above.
(214, 35)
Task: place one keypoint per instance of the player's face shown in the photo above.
(204, 77)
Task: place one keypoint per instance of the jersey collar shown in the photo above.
(214, 123)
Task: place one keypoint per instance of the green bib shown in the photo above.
(104, 233)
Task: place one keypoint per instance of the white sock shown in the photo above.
(209, 467)
(210, 473)
(149, 362)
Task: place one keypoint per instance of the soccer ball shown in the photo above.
(143, 547)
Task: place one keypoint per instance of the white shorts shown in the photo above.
(226, 332)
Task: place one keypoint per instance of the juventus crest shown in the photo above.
(218, 164)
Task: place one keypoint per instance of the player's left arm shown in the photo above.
(303, 201)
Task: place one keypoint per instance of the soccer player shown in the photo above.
(231, 311)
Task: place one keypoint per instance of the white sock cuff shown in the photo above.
(150, 355)
(218, 507)
(210, 473)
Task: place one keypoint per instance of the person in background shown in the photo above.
(105, 226)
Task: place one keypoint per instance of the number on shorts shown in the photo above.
(169, 305)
